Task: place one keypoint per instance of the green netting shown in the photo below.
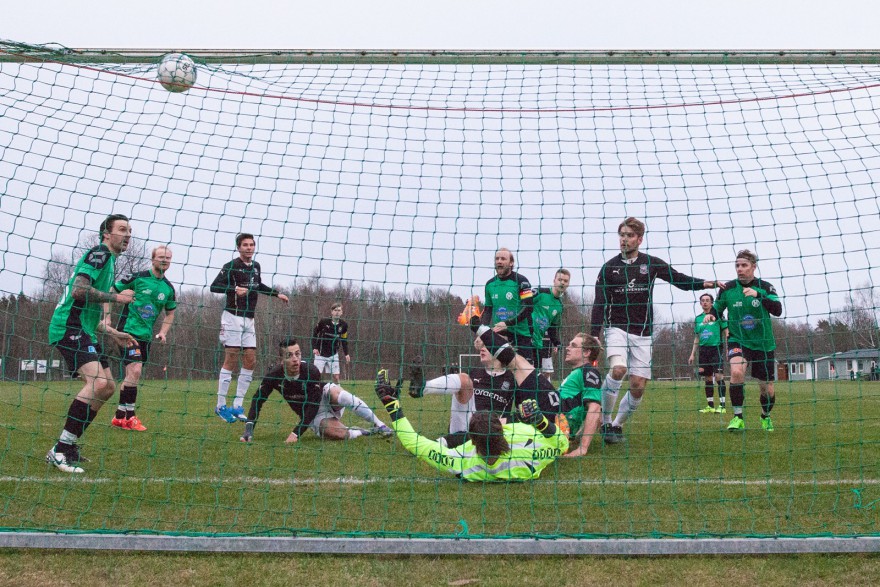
(388, 188)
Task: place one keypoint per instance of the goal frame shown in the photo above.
(441, 546)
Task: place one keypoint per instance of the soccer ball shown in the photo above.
(176, 72)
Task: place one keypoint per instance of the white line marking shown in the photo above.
(359, 481)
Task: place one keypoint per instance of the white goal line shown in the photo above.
(356, 481)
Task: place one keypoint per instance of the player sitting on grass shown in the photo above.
(580, 393)
(493, 451)
(319, 407)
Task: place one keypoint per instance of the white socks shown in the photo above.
(68, 437)
(223, 387)
(245, 376)
(349, 400)
(447, 384)
(628, 405)
(610, 387)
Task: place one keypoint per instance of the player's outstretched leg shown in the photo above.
(346, 399)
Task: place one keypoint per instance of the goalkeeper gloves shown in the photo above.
(531, 414)
(470, 316)
(388, 395)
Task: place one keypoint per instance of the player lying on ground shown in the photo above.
(493, 451)
(529, 383)
(319, 406)
(489, 388)
(578, 401)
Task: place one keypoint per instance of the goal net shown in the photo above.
(387, 183)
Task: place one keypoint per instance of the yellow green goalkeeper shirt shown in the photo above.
(530, 452)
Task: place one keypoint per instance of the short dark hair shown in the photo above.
(286, 342)
(748, 256)
(107, 224)
(335, 305)
(710, 296)
(486, 432)
(243, 236)
(562, 270)
(633, 223)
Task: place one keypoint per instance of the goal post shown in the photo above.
(386, 181)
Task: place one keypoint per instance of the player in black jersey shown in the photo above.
(328, 336)
(241, 281)
(622, 305)
(489, 388)
(319, 406)
(530, 385)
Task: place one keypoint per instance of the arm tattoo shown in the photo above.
(84, 292)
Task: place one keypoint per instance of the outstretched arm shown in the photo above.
(427, 450)
(588, 430)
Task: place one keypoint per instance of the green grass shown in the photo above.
(50, 568)
(680, 473)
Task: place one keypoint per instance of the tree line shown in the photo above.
(387, 329)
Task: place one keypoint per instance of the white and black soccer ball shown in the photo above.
(176, 72)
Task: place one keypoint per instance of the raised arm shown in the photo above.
(427, 450)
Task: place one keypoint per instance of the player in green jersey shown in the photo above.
(546, 319)
(708, 338)
(493, 452)
(153, 294)
(509, 304)
(72, 330)
(749, 303)
(583, 385)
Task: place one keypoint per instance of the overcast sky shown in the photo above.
(397, 205)
(453, 24)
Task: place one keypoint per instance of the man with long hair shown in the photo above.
(493, 451)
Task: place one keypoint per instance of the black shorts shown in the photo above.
(542, 391)
(78, 349)
(136, 354)
(544, 353)
(710, 361)
(763, 362)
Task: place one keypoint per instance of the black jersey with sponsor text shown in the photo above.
(493, 391)
(237, 273)
(624, 290)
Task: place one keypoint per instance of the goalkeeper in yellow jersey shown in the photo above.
(493, 452)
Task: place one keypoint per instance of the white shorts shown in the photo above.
(547, 365)
(636, 350)
(327, 364)
(325, 410)
(237, 331)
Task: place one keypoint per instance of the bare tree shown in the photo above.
(860, 316)
(60, 265)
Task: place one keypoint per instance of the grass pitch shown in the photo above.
(679, 473)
